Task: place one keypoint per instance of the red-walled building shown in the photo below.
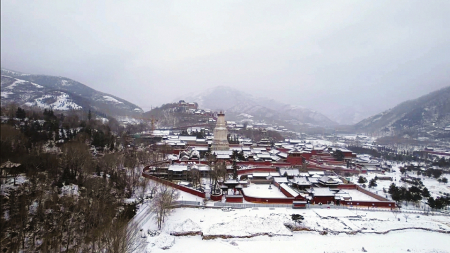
(322, 196)
(297, 157)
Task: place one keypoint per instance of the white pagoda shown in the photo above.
(220, 141)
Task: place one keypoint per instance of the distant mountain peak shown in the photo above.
(236, 102)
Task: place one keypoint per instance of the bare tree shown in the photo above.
(406, 215)
(395, 212)
(155, 156)
(218, 172)
(11, 110)
(153, 186)
(111, 162)
(165, 149)
(131, 159)
(143, 185)
(123, 237)
(13, 143)
(163, 202)
(75, 159)
(194, 174)
(144, 157)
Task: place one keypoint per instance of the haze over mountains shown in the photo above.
(237, 103)
(60, 93)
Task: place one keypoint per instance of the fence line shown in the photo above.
(422, 212)
(256, 205)
(187, 203)
(237, 205)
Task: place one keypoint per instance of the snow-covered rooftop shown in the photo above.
(357, 195)
(289, 190)
(322, 192)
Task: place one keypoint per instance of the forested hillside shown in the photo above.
(64, 182)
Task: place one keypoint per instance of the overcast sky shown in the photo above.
(325, 55)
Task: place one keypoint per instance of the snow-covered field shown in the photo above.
(184, 196)
(326, 230)
(405, 241)
(435, 188)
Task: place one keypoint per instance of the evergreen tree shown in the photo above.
(111, 146)
(362, 180)
(20, 113)
(431, 202)
(425, 193)
(338, 155)
(372, 183)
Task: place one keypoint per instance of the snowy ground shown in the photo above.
(313, 242)
(8, 183)
(435, 188)
(184, 196)
(264, 230)
(262, 190)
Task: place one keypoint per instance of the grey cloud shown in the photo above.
(326, 55)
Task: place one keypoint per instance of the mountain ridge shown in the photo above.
(237, 102)
(60, 93)
(428, 111)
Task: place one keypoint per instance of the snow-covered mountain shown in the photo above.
(60, 93)
(236, 102)
(429, 112)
